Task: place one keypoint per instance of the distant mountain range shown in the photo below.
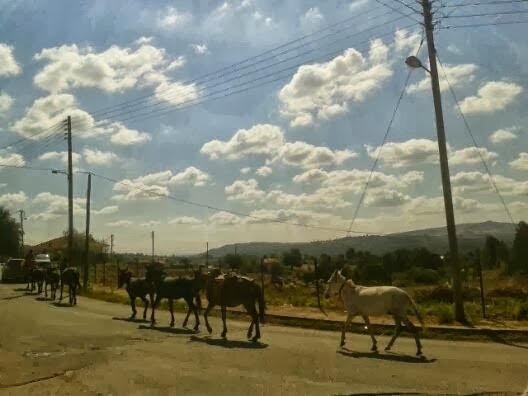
(470, 236)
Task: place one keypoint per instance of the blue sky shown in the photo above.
(298, 148)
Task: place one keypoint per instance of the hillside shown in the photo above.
(470, 236)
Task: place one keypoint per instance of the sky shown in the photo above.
(250, 120)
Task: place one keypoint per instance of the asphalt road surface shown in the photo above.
(47, 349)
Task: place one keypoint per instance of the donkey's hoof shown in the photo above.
(387, 348)
(342, 344)
(374, 349)
(419, 354)
(255, 339)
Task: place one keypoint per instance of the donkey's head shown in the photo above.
(333, 285)
(123, 276)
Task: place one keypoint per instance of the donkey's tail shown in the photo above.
(416, 311)
(262, 305)
(78, 280)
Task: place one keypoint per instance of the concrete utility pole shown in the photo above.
(70, 191)
(87, 240)
(444, 165)
(22, 218)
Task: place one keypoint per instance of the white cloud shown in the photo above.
(120, 223)
(6, 102)
(13, 200)
(470, 155)
(162, 178)
(190, 176)
(176, 93)
(521, 163)
(124, 136)
(98, 157)
(307, 156)
(11, 159)
(245, 170)
(406, 42)
(324, 90)
(2, 185)
(150, 224)
(477, 182)
(322, 198)
(260, 139)
(55, 206)
(113, 70)
(144, 40)
(312, 18)
(357, 4)
(264, 171)
(8, 64)
(262, 216)
(107, 210)
(185, 220)
(408, 153)
(172, 19)
(420, 206)
(491, 97)
(133, 191)
(177, 63)
(458, 75)
(200, 49)
(60, 156)
(386, 198)
(224, 219)
(244, 190)
(503, 135)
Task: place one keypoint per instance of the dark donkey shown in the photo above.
(71, 277)
(174, 289)
(233, 291)
(51, 278)
(136, 287)
(37, 277)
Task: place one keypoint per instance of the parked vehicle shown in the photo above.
(12, 271)
(42, 260)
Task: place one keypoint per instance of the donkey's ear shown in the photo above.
(339, 272)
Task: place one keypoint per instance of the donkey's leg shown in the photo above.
(374, 342)
(61, 290)
(189, 308)
(224, 315)
(145, 304)
(46, 290)
(171, 309)
(348, 319)
(206, 314)
(414, 330)
(397, 331)
(152, 314)
(132, 305)
(196, 316)
(251, 311)
(255, 320)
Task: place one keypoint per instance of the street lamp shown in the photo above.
(56, 171)
(414, 63)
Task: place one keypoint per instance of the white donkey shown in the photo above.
(374, 301)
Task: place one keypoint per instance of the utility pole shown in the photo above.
(444, 165)
(87, 240)
(70, 191)
(22, 218)
(207, 254)
(236, 245)
(152, 237)
(111, 246)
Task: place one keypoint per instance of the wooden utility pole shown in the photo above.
(152, 237)
(444, 165)
(22, 218)
(481, 284)
(87, 239)
(207, 254)
(70, 191)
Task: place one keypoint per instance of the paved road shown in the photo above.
(47, 349)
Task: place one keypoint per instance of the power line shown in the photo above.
(167, 108)
(25, 167)
(483, 24)
(217, 209)
(365, 187)
(468, 129)
(483, 14)
(207, 77)
(397, 10)
(32, 137)
(480, 3)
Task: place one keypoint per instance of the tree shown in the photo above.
(293, 258)
(519, 262)
(490, 252)
(350, 254)
(9, 234)
(233, 261)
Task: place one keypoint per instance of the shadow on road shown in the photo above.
(498, 339)
(43, 299)
(62, 305)
(385, 356)
(13, 297)
(171, 330)
(135, 320)
(20, 289)
(228, 343)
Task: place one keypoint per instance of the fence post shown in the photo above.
(262, 274)
(317, 282)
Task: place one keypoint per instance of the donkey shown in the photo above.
(136, 287)
(70, 276)
(174, 289)
(231, 292)
(37, 277)
(374, 301)
(51, 278)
